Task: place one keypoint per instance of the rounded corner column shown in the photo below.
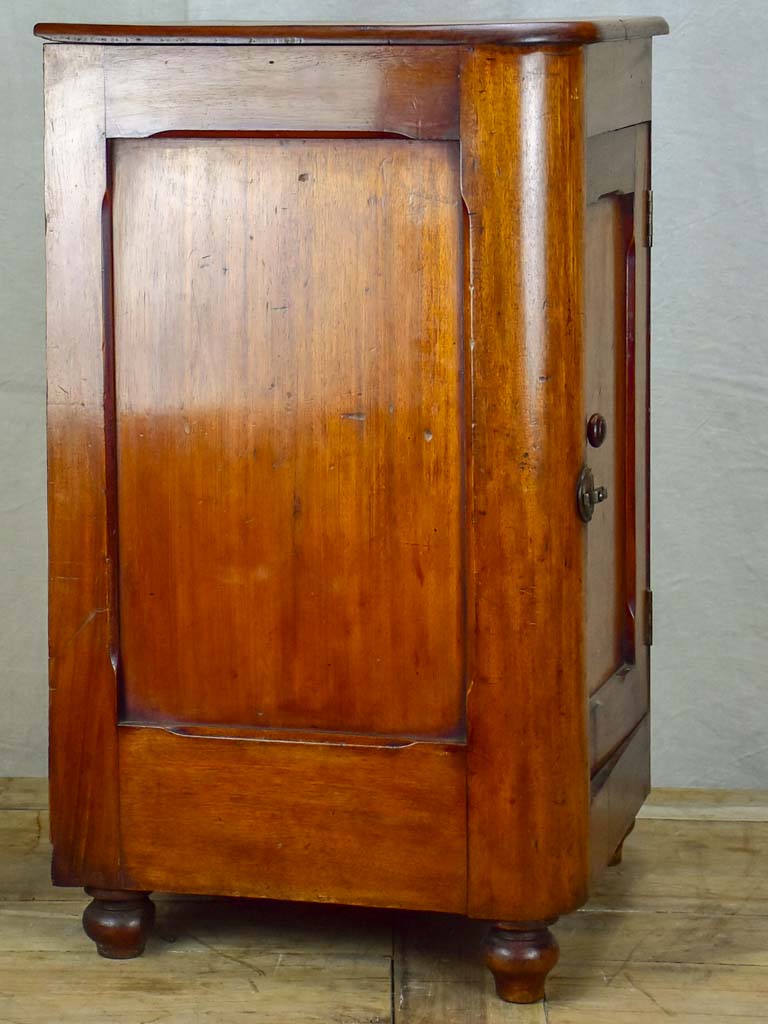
(522, 158)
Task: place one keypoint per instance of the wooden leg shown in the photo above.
(618, 853)
(118, 922)
(520, 956)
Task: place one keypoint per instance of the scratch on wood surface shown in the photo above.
(229, 956)
(88, 619)
(651, 998)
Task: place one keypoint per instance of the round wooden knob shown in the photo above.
(597, 428)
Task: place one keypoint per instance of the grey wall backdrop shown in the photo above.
(710, 363)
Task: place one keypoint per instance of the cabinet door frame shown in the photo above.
(96, 93)
(82, 615)
(526, 840)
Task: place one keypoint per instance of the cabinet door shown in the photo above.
(616, 388)
(280, 697)
(288, 404)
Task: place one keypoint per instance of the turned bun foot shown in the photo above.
(520, 956)
(118, 922)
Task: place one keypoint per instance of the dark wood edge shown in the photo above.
(488, 33)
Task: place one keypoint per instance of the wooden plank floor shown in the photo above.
(679, 932)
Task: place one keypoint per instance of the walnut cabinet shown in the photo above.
(348, 462)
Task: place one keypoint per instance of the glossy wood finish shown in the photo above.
(83, 698)
(329, 822)
(528, 815)
(293, 424)
(684, 918)
(118, 922)
(366, 650)
(396, 89)
(520, 956)
(479, 33)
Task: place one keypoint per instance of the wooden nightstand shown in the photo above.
(348, 459)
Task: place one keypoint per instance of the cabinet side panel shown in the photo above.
(83, 747)
(522, 179)
(617, 85)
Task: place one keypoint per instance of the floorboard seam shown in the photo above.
(393, 1001)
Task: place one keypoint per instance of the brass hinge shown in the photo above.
(649, 217)
(648, 618)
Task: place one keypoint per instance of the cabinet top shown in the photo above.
(507, 33)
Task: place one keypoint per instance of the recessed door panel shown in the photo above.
(288, 381)
(616, 387)
(606, 396)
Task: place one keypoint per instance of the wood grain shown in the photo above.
(25, 865)
(606, 393)
(353, 586)
(514, 32)
(210, 987)
(291, 424)
(23, 794)
(439, 976)
(707, 804)
(411, 92)
(684, 940)
(252, 819)
(617, 383)
(528, 815)
(83, 697)
(737, 941)
(650, 993)
(684, 866)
